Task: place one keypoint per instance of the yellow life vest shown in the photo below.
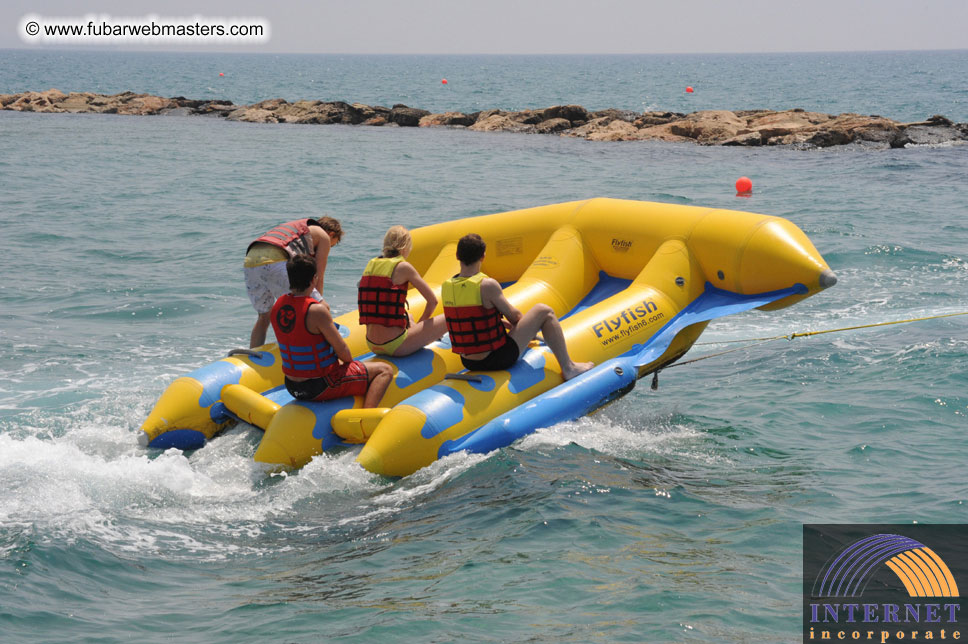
(473, 328)
(379, 300)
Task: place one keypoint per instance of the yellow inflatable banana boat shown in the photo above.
(634, 284)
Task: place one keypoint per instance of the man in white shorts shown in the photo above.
(265, 264)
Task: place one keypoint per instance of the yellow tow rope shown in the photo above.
(845, 328)
(758, 341)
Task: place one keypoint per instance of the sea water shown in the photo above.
(673, 515)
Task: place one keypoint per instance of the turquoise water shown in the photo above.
(672, 516)
(906, 86)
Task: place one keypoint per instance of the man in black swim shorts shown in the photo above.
(474, 307)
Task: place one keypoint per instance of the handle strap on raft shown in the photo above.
(463, 376)
(252, 353)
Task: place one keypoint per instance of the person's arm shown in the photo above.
(319, 320)
(405, 272)
(492, 295)
(322, 246)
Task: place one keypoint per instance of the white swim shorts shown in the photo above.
(267, 283)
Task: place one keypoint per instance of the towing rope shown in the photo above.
(845, 328)
(753, 342)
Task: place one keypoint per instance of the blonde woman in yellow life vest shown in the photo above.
(474, 305)
(382, 300)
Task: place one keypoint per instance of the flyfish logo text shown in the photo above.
(621, 245)
(638, 314)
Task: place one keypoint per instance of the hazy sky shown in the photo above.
(546, 26)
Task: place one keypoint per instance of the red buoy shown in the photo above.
(443, 81)
(689, 90)
(744, 187)
(221, 73)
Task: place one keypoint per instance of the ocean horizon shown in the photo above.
(905, 86)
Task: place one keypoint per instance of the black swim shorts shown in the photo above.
(497, 360)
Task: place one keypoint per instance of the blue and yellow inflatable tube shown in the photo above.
(634, 284)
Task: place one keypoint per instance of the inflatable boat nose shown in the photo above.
(827, 278)
(181, 417)
(399, 445)
(273, 453)
(371, 461)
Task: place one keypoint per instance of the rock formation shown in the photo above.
(794, 127)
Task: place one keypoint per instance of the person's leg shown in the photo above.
(264, 284)
(368, 379)
(261, 298)
(379, 375)
(542, 317)
(532, 322)
(421, 334)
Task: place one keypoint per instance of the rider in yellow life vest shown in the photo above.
(382, 300)
(473, 307)
(473, 328)
(379, 300)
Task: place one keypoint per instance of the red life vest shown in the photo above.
(293, 237)
(380, 300)
(472, 327)
(304, 354)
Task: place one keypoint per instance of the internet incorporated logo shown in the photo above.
(922, 572)
(888, 569)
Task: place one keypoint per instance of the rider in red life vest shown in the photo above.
(315, 360)
(473, 306)
(382, 299)
(265, 263)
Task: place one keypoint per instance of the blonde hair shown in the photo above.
(396, 239)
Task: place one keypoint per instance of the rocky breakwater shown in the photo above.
(795, 127)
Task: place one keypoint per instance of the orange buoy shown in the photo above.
(744, 187)
(689, 90)
(443, 81)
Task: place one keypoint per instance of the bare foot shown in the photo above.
(576, 368)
